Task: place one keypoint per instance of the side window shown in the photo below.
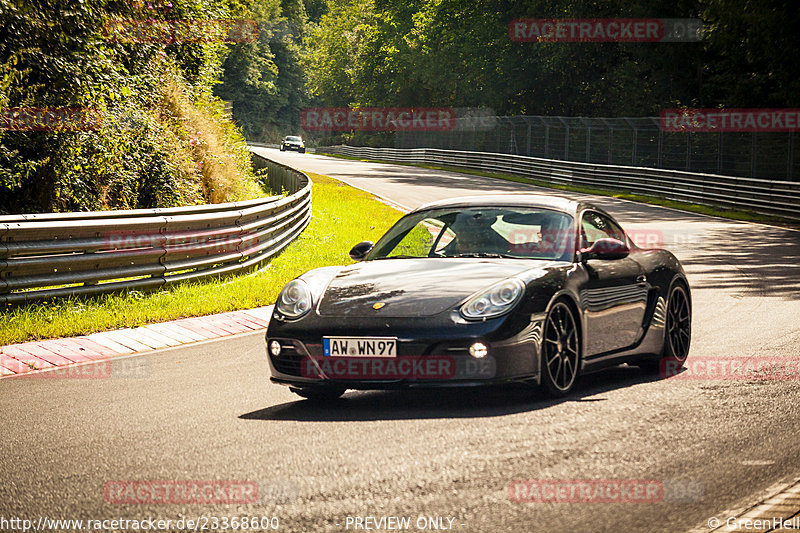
(595, 226)
(418, 241)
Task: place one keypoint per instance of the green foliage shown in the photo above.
(752, 51)
(454, 53)
(155, 100)
(264, 80)
(333, 51)
(153, 151)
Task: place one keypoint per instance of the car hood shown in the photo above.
(413, 287)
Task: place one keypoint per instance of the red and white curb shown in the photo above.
(32, 356)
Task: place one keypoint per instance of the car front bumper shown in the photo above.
(429, 354)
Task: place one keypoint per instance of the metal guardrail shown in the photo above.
(85, 253)
(776, 198)
(627, 141)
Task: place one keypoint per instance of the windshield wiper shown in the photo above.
(485, 254)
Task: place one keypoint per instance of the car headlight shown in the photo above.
(494, 301)
(294, 300)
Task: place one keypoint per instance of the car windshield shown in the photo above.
(296, 139)
(515, 232)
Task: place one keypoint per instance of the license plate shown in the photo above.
(359, 346)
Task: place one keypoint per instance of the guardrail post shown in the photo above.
(3, 254)
(588, 145)
(90, 282)
(547, 140)
(163, 233)
(528, 149)
(610, 139)
(688, 151)
(635, 142)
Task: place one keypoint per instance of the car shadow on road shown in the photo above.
(761, 260)
(481, 402)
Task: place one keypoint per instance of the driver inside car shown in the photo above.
(550, 240)
(474, 235)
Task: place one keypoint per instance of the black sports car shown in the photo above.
(292, 142)
(481, 290)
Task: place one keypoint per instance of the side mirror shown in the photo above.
(605, 249)
(360, 250)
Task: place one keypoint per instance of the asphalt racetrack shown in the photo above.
(207, 412)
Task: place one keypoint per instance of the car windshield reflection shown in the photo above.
(485, 232)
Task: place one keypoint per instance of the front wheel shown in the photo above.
(678, 331)
(318, 394)
(561, 350)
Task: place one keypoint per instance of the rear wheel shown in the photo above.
(678, 331)
(561, 350)
(318, 393)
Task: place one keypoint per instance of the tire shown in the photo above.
(318, 394)
(677, 331)
(561, 350)
(302, 150)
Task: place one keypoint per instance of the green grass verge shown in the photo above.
(342, 217)
(732, 214)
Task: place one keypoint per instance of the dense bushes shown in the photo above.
(459, 54)
(164, 139)
(264, 79)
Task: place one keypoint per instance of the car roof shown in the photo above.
(558, 203)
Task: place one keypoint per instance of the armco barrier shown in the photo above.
(62, 254)
(777, 198)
